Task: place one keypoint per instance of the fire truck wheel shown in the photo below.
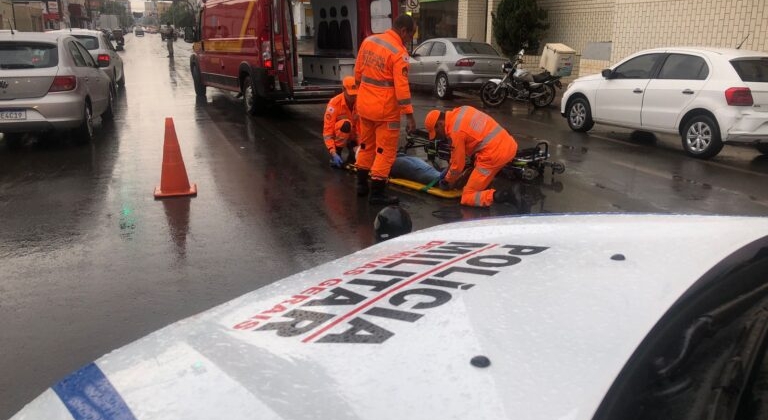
(196, 79)
(254, 104)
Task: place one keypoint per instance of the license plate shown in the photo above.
(13, 115)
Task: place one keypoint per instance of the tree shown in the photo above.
(180, 14)
(114, 8)
(518, 24)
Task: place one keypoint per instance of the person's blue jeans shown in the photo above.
(414, 169)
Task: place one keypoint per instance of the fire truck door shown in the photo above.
(284, 42)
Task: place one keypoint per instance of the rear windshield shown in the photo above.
(752, 69)
(27, 55)
(469, 48)
(88, 41)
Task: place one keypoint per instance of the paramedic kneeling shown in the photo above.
(341, 125)
(471, 132)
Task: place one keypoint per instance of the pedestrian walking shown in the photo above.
(169, 40)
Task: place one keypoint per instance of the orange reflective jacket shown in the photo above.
(381, 71)
(471, 132)
(337, 110)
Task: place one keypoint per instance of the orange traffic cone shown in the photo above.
(173, 179)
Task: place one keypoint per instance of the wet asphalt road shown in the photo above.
(90, 261)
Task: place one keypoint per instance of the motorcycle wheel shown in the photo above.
(546, 98)
(491, 99)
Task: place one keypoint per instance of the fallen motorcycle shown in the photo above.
(520, 85)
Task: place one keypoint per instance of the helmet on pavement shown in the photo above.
(392, 221)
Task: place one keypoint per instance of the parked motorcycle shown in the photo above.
(520, 85)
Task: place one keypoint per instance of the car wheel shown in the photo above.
(109, 115)
(442, 88)
(198, 82)
(84, 133)
(579, 115)
(701, 137)
(121, 82)
(254, 104)
(762, 148)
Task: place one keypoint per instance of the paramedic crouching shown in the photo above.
(341, 125)
(471, 132)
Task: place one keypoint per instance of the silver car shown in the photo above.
(101, 50)
(453, 63)
(49, 81)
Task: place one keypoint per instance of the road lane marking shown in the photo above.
(625, 143)
(670, 176)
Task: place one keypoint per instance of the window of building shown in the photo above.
(437, 19)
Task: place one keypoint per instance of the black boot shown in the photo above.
(504, 196)
(362, 182)
(351, 156)
(378, 195)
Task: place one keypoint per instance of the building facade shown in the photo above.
(23, 17)
(604, 31)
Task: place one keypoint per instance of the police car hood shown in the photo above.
(519, 318)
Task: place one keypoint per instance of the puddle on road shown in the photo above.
(689, 189)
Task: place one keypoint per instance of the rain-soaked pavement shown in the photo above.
(90, 261)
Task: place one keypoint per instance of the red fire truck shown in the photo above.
(250, 47)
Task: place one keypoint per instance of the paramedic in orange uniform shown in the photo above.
(381, 72)
(471, 132)
(340, 124)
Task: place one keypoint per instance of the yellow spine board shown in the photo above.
(419, 186)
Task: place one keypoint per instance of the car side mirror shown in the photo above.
(607, 73)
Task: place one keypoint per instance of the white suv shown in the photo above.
(709, 96)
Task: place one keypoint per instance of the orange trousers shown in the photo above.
(378, 146)
(488, 162)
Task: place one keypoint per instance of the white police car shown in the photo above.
(556, 317)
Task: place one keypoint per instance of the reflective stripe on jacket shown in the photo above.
(471, 132)
(381, 71)
(337, 110)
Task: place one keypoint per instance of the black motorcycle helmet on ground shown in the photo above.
(391, 222)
